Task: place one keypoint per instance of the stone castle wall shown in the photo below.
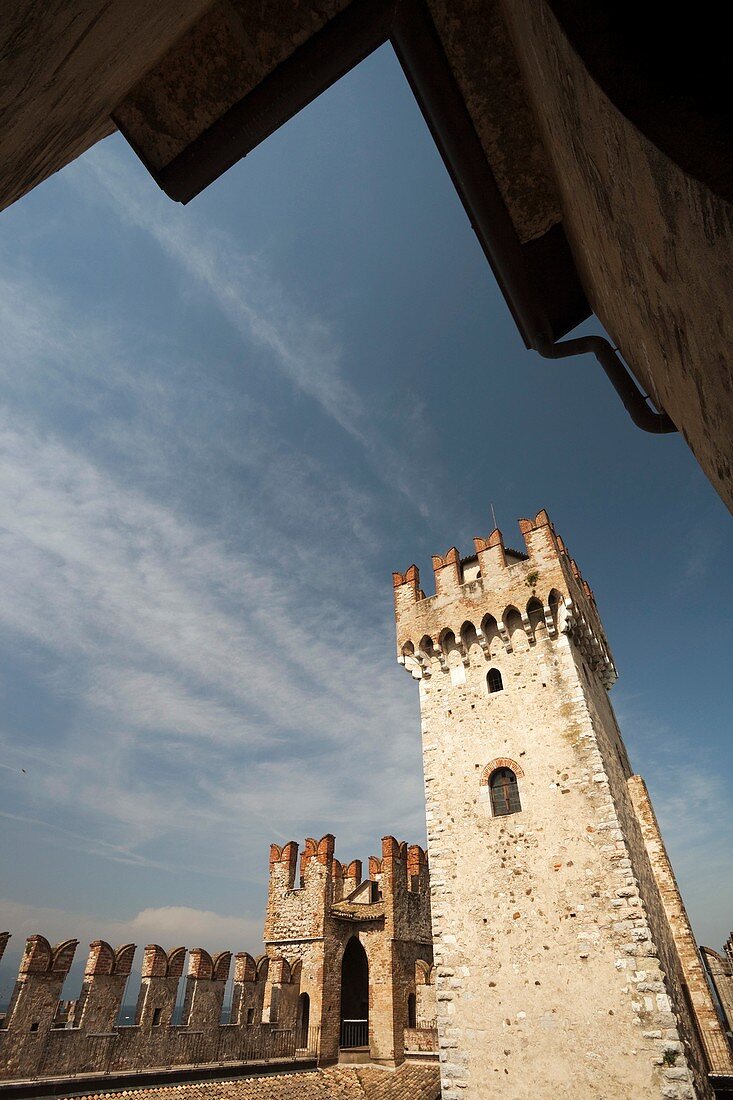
(315, 906)
(42, 1035)
(550, 944)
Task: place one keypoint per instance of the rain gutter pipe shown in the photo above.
(347, 39)
(415, 42)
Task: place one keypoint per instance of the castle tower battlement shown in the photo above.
(299, 905)
(491, 594)
(565, 963)
(297, 908)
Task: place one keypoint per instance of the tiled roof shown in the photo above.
(409, 1082)
(357, 911)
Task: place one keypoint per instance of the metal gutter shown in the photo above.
(634, 401)
(421, 55)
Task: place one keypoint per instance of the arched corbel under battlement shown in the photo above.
(535, 618)
(515, 627)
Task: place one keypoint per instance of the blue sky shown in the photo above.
(221, 428)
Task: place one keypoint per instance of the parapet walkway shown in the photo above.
(409, 1082)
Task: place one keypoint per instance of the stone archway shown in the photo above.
(354, 1033)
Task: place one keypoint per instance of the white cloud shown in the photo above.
(167, 925)
(181, 924)
(85, 556)
(221, 681)
(300, 345)
(191, 653)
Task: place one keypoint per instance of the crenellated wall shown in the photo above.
(248, 991)
(34, 1003)
(43, 1036)
(204, 998)
(105, 980)
(161, 973)
(315, 906)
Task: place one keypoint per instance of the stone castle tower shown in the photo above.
(565, 963)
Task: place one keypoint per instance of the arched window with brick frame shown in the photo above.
(504, 792)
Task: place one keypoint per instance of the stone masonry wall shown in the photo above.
(548, 976)
(312, 918)
(721, 977)
(36, 1040)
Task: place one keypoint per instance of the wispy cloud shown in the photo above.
(85, 555)
(168, 925)
(223, 692)
(301, 345)
(90, 844)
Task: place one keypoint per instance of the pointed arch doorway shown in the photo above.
(354, 997)
(304, 1012)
